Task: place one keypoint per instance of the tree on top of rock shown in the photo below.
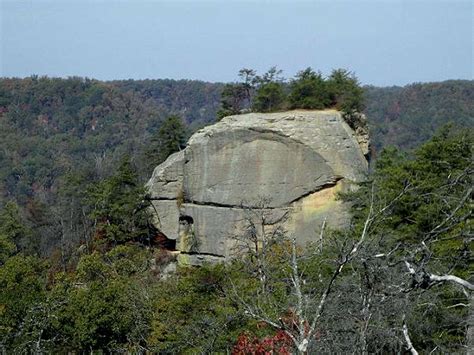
(270, 95)
(309, 91)
(236, 97)
(232, 100)
(249, 77)
(345, 92)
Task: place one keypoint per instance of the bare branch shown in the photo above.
(411, 349)
(451, 278)
(439, 278)
(458, 207)
(411, 270)
(458, 305)
(323, 226)
(299, 296)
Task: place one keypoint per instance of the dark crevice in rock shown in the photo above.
(187, 219)
(203, 254)
(167, 182)
(164, 243)
(223, 205)
(273, 134)
(162, 198)
(326, 185)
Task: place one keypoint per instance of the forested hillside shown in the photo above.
(408, 116)
(397, 281)
(284, 207)
(81, 267)
(57, 136)
(196, 101)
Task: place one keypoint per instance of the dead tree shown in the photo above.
(309, 305)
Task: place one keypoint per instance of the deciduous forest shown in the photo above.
(80, 269)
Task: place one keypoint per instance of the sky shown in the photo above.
(384, 42)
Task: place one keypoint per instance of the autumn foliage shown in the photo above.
(280, 343)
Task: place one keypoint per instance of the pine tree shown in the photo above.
(270, 95)
(169, 139)
(345, 92)
(118, 207)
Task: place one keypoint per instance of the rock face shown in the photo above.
(277, 170)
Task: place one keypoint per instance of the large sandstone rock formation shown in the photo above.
(270, 170)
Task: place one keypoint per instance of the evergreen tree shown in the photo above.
(169, 139)
(118, 207)
(345, 92)
(233, 99)
(309, 91)
(270, 97)
(270, 94)
(248, 77)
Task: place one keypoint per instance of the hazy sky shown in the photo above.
(388, 42)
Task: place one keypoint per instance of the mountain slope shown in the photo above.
(408, 116)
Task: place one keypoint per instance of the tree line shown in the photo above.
(270, 92)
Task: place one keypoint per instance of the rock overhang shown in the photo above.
(289, 163)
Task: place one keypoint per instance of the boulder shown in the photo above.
(274, 171)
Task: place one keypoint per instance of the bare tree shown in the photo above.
(308, 305)
(261, 231)
(388, 280)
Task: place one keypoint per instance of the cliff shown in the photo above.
(275, 171)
